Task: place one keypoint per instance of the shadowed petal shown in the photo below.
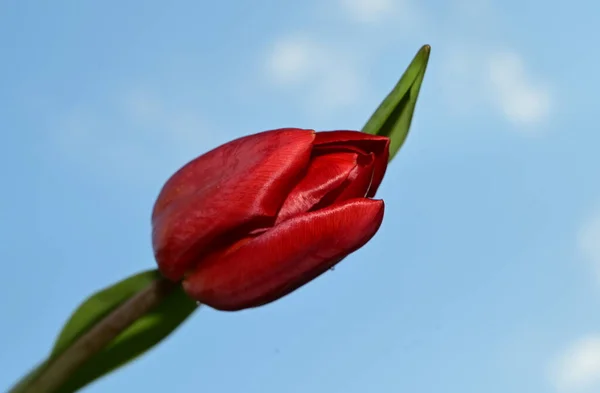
(240, 185)
(352, 140)
(277, 262)
(360, 180)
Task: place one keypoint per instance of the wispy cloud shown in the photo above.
(404, 16)
(474, 78)
(522, 100)
(367, 10)
(473, 75)
(482, 71)
(326, 77)
(377, 11)
(132, 135)
(294, 59)
(329, 76)
(577, 369)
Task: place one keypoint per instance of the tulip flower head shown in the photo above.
(258, 217)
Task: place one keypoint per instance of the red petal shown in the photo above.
(378, 145)
(360, 179)
(285, 257)
(326, 173)
(239, 185)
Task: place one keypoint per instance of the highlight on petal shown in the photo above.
(378, 145)
(359, 182)
(265, 268)
(325, 174)
(239, 185)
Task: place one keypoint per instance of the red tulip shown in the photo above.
(260, 216)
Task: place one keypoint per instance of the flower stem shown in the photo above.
(59, 369)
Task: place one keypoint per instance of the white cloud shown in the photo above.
(578, 368)
(405, 15)
(369, 11)
(135, 135)
(522, 100)
(484, 78)
(473, 77)
(588, 240)
(294, 59)
(325, 77)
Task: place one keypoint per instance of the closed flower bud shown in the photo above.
(256, 218)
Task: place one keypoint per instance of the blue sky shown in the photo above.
(485, 275)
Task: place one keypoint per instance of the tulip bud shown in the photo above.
(256, 218)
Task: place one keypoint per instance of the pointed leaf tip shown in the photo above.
(394, 115)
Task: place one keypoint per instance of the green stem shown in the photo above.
(93, 341)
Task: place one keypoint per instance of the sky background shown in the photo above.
(485, 275)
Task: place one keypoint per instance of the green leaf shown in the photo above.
(142, 335)
(145, 333)
(394, 115)
(23, 384)
(99, 305)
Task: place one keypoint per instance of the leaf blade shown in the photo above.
(139, 337)
(394, 115)
(98, 305)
